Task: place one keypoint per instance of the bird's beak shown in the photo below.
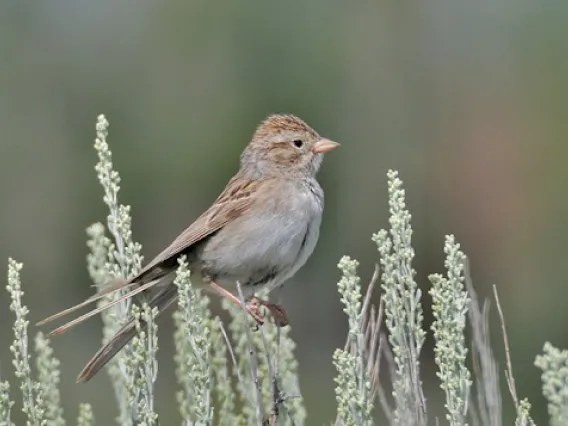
(324, 145)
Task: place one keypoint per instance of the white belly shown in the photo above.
(264, 249)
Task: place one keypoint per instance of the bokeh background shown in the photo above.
(467, 99)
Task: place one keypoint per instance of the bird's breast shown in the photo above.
(268, 244)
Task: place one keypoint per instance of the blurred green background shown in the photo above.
(467, 99)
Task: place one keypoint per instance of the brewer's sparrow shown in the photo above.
(259, 231)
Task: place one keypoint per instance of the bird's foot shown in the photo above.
(252, 308)
(277, 311)
(254, 312)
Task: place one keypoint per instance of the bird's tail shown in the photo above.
(111, 288)
(162, 301)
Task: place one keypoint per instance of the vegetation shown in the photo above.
(236, 375)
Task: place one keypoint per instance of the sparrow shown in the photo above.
(261, 229)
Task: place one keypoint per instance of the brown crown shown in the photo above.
(280, 122)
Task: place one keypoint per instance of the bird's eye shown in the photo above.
(298, 143)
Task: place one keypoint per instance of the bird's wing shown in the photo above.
(234, 201)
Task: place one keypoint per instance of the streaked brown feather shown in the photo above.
(65, 327)
(111, 287)
(232, 203)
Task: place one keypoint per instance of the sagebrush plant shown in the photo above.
(403, 307)
(353, 391)
(259, 367)
(193, 350)
(554, 365)
(449, 306)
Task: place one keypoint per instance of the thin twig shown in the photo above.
(369, 328)
(375, 350)
(235, 364)
(477, 372)
(277, 358)
(278, 398)
(509, 370)
(383, 400)
(369, 293)
(254, 363)
(276, 393)
(369, 331)
(272, 375)
(366, 301)
(485, 368)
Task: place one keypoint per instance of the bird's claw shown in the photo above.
(254, 312)
(277, 311)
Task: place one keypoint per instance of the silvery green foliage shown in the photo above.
(123, 260)
(554, 365)
(403, 309)
(346, 390)
(48, 377)
(143, 366)
(193, 351)
(224, 393)
(242, 360)
(353, 390)
(279, 370)
(242, 364)
(523, 414)
(262, 361)
(99, 246)
(100, 251)
(266, 370)
(103, 267)
(124, 257)
(5, 404)
(449, 307)
(350, 291)
(85, 417)
(33, 404)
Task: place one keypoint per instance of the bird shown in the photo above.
(259, 232)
